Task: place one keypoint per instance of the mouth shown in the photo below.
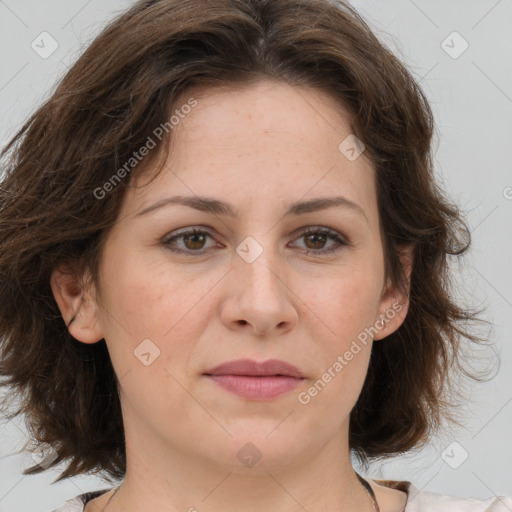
(250, 368)
(256, 381)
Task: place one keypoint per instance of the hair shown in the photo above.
(109, 104)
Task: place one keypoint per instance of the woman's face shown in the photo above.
(250, 285)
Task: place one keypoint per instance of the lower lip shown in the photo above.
(256, 388)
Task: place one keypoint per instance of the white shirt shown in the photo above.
(418, 501)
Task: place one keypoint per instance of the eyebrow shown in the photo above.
(217, 207)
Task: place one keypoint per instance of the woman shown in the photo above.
(224, 264)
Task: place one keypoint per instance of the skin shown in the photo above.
(259, 148)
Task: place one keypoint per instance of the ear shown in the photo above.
(77, 304)
(394, 303)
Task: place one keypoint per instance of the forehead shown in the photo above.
(273, 109)
(269, 140)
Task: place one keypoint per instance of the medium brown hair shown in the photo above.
(123, 87)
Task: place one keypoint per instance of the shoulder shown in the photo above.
(417, 500)
(77, 504)
(427, 501)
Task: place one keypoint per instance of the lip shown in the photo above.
(248, 367)
(256, 380)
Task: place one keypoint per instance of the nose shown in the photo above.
(259, 297)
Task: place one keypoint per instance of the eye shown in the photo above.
(193, 241)
(316, 238)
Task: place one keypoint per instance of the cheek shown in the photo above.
(347, 301)
(154, 301)
(346, 308)
(142, 295)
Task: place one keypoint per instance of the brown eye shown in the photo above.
(192, 241)
(316, 238)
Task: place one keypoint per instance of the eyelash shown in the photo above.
(308, 231)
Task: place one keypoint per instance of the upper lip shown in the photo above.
(255, 368)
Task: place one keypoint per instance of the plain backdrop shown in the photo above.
(460, 52)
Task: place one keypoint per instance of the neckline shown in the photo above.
(369, 489)
(400, 485)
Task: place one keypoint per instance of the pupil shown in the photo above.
(320, 238)
(189, 237)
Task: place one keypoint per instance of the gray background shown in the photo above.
(471, 96)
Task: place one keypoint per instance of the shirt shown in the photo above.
(417, 501)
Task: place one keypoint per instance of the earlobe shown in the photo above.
(394, 302)
(76, 304)
(391, 319)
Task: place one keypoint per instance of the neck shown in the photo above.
(168, 480)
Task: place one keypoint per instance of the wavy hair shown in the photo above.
(106, 106)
